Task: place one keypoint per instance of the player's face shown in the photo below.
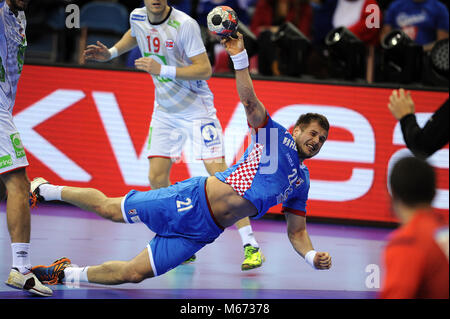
(156, 7)
(18, 5)
(310, 139)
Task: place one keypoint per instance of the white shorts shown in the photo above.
(169, 134)
(12, 152)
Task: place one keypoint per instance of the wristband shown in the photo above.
(114, 53)
(240, 60)
(168, 71)
(309, 258)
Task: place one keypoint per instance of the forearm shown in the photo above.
(126, 43)
(194, 72)
(253, 107)
(301, 242)
(423, 142)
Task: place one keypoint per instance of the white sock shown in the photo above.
(75, 275)
(247, 236)
(50, 192)
(21, 256)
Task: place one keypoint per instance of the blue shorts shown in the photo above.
(180, 217)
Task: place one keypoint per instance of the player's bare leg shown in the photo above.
(18, 219)
(120, 272)
(95, 201)
(88, 199)
(159, 172)
(253, 256)
(17, 205)
(108, 273)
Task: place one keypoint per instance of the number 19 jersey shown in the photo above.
(173, 42)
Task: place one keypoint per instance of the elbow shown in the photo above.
(207, 73)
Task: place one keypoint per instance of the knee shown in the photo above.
(135, 278)
(18, 187)
(132, 276)
(109, 210)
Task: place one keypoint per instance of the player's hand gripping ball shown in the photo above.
(222, 21)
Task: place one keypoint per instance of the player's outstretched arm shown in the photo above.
(255, 110)
(200, 69)
(100, 53)
(299, 238)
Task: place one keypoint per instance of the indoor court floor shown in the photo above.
(61, 230)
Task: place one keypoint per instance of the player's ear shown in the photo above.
(297, 130)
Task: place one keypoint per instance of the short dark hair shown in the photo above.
(306, 119)
(413, 181)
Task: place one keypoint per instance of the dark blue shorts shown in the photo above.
(180, 217)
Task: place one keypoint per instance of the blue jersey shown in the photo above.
(270, 172)
(419, 20)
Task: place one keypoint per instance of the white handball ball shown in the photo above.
(222, 21)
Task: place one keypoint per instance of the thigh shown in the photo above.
(168, 252)
(215, 165)
(153, 208)
(16, 181)
(166, 138)
(207, 139)
(159, 167)
(12, 152)
(141, 265)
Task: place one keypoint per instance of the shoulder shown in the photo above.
(439, 6)
(420, 231)
(138, 14)
(182, 18)
(270, 123)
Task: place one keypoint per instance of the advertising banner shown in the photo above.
(90, 128)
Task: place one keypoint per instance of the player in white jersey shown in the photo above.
(13, 159)
(174, 54)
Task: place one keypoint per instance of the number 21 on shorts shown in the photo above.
(184, 205)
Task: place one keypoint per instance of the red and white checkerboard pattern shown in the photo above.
(241, 179)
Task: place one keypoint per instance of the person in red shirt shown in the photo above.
(270, 14)
(359, 17)
(416, 256)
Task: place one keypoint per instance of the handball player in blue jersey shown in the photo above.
(190, 214)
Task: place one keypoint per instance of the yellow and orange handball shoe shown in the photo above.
(253, 258)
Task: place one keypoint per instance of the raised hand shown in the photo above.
(97, 52)
(232, 45)
(401, 104)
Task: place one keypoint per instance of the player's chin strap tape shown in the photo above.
(309, 258)
(240, 60)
